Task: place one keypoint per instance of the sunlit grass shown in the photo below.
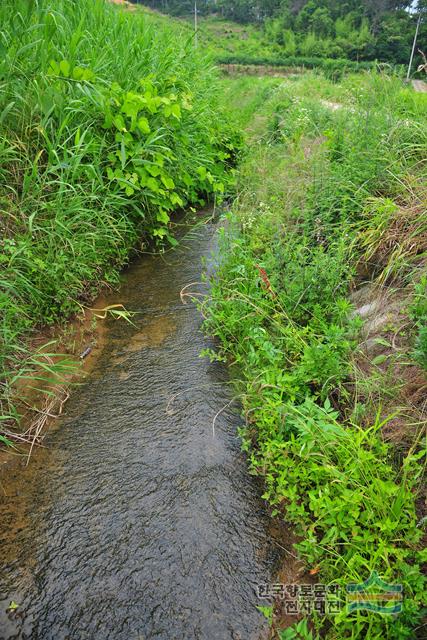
(331, 196)
(80, 182)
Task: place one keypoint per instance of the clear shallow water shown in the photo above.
(138, 522)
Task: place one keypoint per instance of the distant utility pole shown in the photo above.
(413, 48)
(195, 24)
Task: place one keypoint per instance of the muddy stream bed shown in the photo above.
(138, 520)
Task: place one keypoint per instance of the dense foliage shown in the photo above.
(107, 124)
(333, 176)
(356, 29)
(332, 68)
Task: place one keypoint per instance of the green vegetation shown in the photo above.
(107, 125)
(357, 30)
(331, 196)
(110, 120)
(232, 43)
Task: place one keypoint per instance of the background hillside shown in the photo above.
(356, 29)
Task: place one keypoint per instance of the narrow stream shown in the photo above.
(140, 521)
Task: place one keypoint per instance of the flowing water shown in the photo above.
(140, 520)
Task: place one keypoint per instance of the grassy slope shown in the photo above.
(332, 196)
(231, 43)
(109, 121)
(220, 37)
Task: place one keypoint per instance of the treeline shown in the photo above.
(355, 29)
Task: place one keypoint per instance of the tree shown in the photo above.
(290, 43)
(321, 22)
(394, 37)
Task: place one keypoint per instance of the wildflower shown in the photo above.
(265, 280)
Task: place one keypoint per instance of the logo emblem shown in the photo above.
(375, 595)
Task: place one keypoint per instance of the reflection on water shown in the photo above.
(140, 521)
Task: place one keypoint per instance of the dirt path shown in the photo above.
(334, 106)
(125, 3)
(420, 86)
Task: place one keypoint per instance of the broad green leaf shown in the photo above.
(176, 111)
(161, 232)
(175, 199)
(187, 180)
(88, 75)
(78, 73)
(153, 184)
(154, 170)
(167, 181)
(202, 172)
(143, 125)
(54, 69)
(119, 122)
(162, 216)
(172, 240)
(65, 68)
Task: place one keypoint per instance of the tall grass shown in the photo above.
(324, 186)
(108, 122)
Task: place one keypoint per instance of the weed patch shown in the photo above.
(108, 124)
(321, 192)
